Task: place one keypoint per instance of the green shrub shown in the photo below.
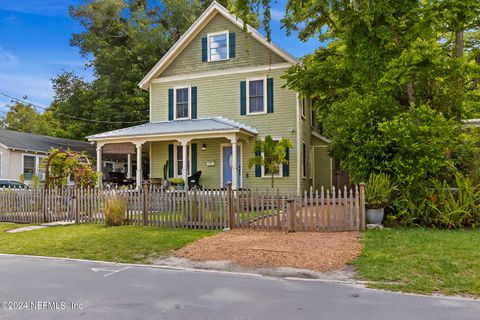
(441, 205)
(115, 210)
(379, 190)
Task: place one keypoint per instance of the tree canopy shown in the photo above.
(392, 81)
(121, 40)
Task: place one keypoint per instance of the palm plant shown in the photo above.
(379, 190)
(270, 154)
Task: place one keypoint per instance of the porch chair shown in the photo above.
(194, 180)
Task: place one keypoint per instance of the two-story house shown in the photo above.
(216, 91)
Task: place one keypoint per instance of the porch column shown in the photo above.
(99, 164)
(129, 166)
(234, 163)
(139, 164)
(184, 161)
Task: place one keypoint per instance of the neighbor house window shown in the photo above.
(314, 118)
(218, 46)
(304, 160)
(29, 165)
(257, 96)
(278, 172)
(182, 103)
(179, 161)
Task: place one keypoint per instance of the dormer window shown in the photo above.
(218, 46)
(182, 103)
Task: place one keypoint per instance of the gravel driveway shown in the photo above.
(302, 250)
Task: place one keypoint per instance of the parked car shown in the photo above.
(4, 183)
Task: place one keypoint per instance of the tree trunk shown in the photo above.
(410, 94)
(459, 43)
(273, 179)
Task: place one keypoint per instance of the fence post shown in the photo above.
(76, 203)
(290, 216)
(145, 204)
(231, 214)
(362, 206)
(44, 205)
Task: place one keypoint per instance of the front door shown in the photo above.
(227, 165)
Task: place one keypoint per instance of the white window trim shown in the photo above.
(264, 95)
(37, 164)
(280, 169)
(189, 87)
(175, 158)
(226, 32)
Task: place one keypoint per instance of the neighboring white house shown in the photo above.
(21, 153)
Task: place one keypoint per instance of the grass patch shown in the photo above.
(422, 260)
(132, 244)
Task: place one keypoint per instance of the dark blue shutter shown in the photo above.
(286, 169)
(194, 158)
(170, 160)
(270, 95)
(258, 168)
(231, 43)
(194, 102)
(204, 49)
(170, 104)
(243, 98)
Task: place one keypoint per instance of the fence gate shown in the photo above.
(324, 210)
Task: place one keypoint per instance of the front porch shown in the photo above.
(179, 149)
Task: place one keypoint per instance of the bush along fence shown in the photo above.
(322, 210)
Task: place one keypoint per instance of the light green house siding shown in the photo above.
(249, 52)
(219, 96)
(322, 173)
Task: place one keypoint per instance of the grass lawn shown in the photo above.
(422, 261)
(133, 244)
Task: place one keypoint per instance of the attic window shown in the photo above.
(218, 46)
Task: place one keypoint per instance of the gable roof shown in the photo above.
(196, 27)
(22, 141)
(176, 127)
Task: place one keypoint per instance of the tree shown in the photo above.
(23, 117)
(270, 154)
(122, 40)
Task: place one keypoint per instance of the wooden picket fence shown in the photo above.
(323, 210)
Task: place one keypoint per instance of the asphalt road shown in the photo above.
(35, 288)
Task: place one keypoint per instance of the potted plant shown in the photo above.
(378, 192)
(178, 182)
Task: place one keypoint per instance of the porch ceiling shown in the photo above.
(176, 129)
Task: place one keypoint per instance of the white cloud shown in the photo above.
(276, 14)
(37, 88)
(7, 58)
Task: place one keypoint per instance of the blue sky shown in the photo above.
(34, 46)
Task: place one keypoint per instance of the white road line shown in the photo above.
(110, 271)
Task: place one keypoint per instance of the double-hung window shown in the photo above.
(304, 107)
(218, 46)
(29, 167)
(182, 103)
(257, 96)
(179, 161)
(304, 160)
